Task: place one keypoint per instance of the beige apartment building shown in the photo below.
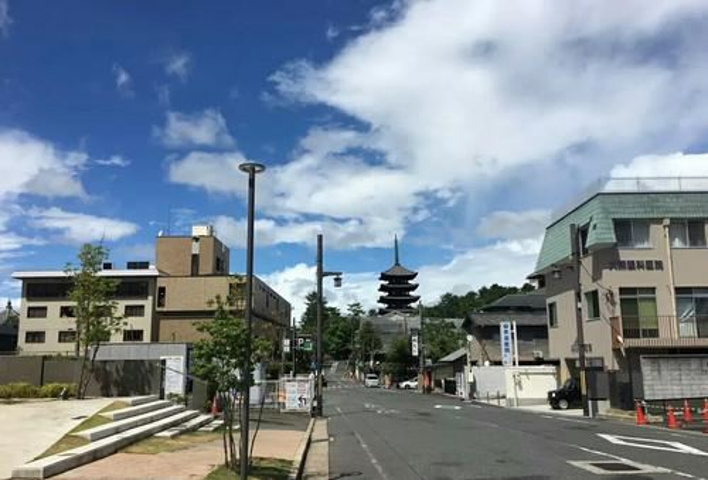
(47, 322)
(643, 277)
(161, 303)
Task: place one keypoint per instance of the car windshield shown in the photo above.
(570, 384)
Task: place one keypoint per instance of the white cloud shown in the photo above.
(506, 263)
(79, 227)
(178, 64)
(30, 165)
(5, 19)
(113, 161)
(332, 32)
(513, 225)
(163, 95)
(206, 128)
(349, 234)
(672, 165)
(462, 94)
(214, 172)
(124, 82)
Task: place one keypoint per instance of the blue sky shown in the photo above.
(456, 124)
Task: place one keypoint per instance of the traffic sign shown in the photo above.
(506, 343)
(414, 345)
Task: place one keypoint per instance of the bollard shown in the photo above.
(498, 398)
(705, 415)
(488, 398)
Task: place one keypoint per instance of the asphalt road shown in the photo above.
(379, 434)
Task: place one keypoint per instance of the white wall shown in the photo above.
(529, 385)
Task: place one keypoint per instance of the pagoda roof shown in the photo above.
(398, 270)
(397, 286)
(398, 298)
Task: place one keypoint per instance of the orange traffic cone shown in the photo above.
(641, 419)
(671, 418)
(687, 415)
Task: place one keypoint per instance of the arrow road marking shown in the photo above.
(448, 407)
(652, 444)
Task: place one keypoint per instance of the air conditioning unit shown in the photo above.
(537, 354)
(107, 266)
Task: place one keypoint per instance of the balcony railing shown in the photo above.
(656, 331)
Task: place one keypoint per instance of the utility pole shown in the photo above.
(318, 366)
(421, 351)
(294, 347)
(575, 240)
(320, 307)
(251, 169)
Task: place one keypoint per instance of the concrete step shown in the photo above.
(188, 426)
(210, 427)
(61, 462)
(103, 431)
(133, 401)
(137, 410)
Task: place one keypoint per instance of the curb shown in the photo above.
(301, 453)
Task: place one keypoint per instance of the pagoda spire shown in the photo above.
(395, 249)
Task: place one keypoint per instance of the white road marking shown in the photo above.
(626, 460)
(448, 407)
(652, 444)
(547, 416)
(366, 449)
(572, 420)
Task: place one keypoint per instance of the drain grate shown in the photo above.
(615, 466)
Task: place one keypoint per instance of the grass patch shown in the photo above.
(263, 469)
(154, 445)
(69, 441)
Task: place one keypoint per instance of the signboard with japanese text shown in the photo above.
(506, 340)
(298, 395)
(414, 345)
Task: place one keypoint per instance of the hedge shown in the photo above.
(25, 390)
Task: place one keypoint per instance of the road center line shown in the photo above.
(365, 447)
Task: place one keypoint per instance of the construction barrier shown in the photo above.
(686, 414)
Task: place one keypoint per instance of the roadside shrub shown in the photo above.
(19, 390)
(25, 390)
(53, 390)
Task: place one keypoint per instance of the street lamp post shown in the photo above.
(320, 307)
(252, 169)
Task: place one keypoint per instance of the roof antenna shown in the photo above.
(395, 248)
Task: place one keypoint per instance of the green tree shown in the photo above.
(220, 359)
(441, 338)
(94, 308)
(399, 360)
(368, 342)
(338, 335)
(308, 321)
(458, 306)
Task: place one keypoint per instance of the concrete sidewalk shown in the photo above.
(276, 439)
(317, 463)
(27, 429)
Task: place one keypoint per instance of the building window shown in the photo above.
(692, 312)
(132, 289)
(687, 233)
(632, 233)
(161, 294)
(639, 318)
(132, 335)
(584, 239)
(552, 315)
(48, 290)
(36, 312)
(195, 264)
(134, 311)
(67, 312)
(592, 305)
(67, 336)
(219, 265)
(34, 337)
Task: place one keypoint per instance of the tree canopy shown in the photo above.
(441, 338)
(458, 306)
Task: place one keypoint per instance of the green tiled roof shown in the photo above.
(600, 210)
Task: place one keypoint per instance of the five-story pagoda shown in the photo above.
(397, 286)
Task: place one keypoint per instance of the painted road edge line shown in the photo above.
(301, 453)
